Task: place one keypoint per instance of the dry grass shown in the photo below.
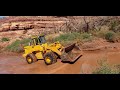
(105, 68)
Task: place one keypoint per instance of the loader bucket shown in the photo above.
(71, 53)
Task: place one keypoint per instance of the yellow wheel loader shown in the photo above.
(38, 49)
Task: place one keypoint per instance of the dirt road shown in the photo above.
(16, 64)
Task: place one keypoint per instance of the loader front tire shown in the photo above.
(50, 58)
(31, 58)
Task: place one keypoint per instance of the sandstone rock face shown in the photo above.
(14, 27)
(12, 23)
(27, 23)
(5, 27)
(23, 26)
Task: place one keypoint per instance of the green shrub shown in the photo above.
(107, 34)
(25, 42)
(105, 68)
(4, 39)
(15, 46)
(72, 36)
(85, 36)
(110, 36)
(114, 25)
(67, 36)
(101, 33)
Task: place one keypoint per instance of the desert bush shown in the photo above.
(50, 37)
(114, 25)
(110, 36)
(69, 38)
(101, 33)
(4, 39)
(85, 36)
(107, 34)
(105, 68)
(15, 46)
(117, 37)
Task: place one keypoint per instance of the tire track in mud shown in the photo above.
(17, 65)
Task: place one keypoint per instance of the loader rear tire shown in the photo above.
(50, 58)
(31, 58)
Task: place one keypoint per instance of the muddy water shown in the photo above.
(16, 64)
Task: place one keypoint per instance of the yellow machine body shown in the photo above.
(39, 49)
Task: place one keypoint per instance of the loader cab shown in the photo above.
(42, 39)
(37, 40)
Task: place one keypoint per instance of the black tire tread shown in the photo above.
(53, 57)
(32, 56)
